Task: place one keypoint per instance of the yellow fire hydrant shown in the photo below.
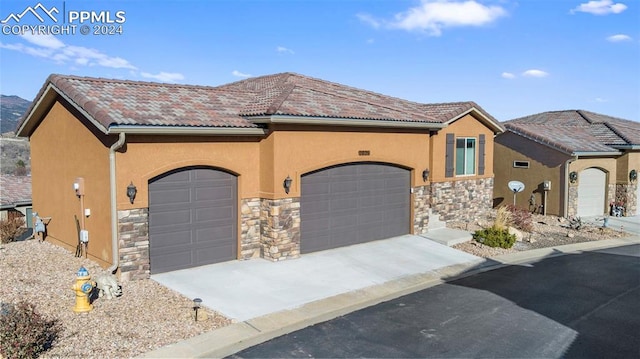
(83, 287)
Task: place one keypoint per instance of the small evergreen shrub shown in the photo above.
(25, 333)
(495, 237)
(520, 218)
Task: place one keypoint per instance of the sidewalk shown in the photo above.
(238, 336)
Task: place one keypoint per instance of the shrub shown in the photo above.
(495, 237)
(25, 333)
(503, 218)
(10, 229)
(520, 218)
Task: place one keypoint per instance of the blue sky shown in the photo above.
(513, 58)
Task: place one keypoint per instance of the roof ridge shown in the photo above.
(126, 81)
(279, 100)
(618, 133)
(355, 98)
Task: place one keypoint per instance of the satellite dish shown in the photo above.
(516, 186)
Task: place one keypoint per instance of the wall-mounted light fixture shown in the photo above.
(425, 175)
(287, 184)
(131, 192)
(573, 176)
(633, 175)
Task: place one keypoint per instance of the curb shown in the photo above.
(231, 339)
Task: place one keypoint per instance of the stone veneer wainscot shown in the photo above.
(280, 228)
(133, 247)
(462, 200)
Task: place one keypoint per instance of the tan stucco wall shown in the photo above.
(146, 157)
(467, 126)
(544, 164)
(626, 163)
(62, 149)
(608, 165)
(297, 151)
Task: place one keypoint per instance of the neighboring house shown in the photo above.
(15, 198)
(273, 167)
(591, 161)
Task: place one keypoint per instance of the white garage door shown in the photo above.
(592, 189)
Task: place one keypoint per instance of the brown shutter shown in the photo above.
(481, 156)
(450, 155)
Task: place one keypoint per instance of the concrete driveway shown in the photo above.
(242, 290)
(627, 224)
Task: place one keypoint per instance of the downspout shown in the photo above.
(114, 212)
(566, 185)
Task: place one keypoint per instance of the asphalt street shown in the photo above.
(584, 305)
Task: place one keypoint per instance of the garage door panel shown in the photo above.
(177, 238)
(358, 199)
(171, 218)
(192, 219)
(176, 259)
(173, 196)
(217, 232)
(592, 192)
(211, 193)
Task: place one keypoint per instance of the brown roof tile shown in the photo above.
(577, 130)
(122, 102)
(14, 190)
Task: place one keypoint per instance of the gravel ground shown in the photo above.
(149, 316)
(548, 231)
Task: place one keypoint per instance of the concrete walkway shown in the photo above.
(379, 279)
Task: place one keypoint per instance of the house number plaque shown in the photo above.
(364, 153)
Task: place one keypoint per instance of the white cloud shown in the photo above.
(600, 99)
(239, 74)
(431, 16)
(508, 75)
(370, 41)
(600, 7)
(619, 38)
(369, 20)
(535, 73)
(164, 76)
(50, 47)
(284, 50)
(48, 41)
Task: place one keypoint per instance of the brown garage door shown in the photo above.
(353, 203)
(192, 218)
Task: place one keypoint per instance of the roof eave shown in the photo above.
(186, 130)
(595, 153)
(496, 127)
(626, 147)
(332, 121)
(42, 103)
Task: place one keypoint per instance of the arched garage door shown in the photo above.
(192, 218)
(353, 203)
(592, 189)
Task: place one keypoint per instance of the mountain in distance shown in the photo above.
(11, 110)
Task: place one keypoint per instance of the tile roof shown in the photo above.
(122, 102)
(574, 131)
(14, 190)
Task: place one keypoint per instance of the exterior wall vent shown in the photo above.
(521, 164)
